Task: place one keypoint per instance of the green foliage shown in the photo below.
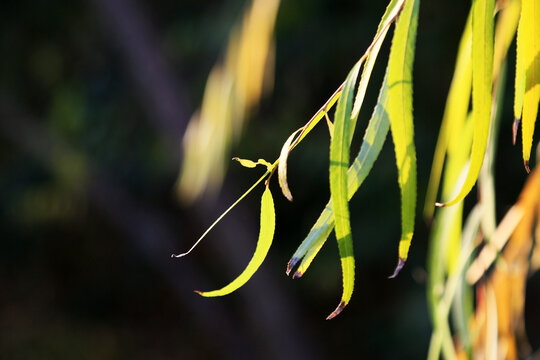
(394, 109)
(464, 155)
(266, 234)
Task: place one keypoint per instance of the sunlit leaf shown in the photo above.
(266, 234)
(399, 110)
(505, 30)
(374, 138)
(529, 45)
(455, 112)
(520, 75)
(339, 164)
(482, 60)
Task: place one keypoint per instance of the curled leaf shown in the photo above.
(266, 234)
(282, 167)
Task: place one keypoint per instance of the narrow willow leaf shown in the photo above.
(266, 234)
(530, 46)
(482, 59)
(455, 112)
(389, 15)
(339, 164)
(400, 113)
(519, 84)
(372, 144)
(282, 167)
(505, 30)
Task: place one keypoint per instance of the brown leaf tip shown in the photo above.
(198, 292)
(291, 264)
(400, 265)
(515, 127)
(527, 168)
(338, 310)
(297, 275)
(438, 204)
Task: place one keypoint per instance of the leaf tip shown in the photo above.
(288, 195)
(336, 312)
(297, 275)
(199, 292)
(399, 266)
(438, 204)
(526, 164)
(291, 264)
(515, 127)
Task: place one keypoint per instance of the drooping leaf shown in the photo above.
(282, 167)
(400, 113)
(339, 164)
(482, 60)
(266, 234)
(530, 47)
(374, 138)
(455, 112)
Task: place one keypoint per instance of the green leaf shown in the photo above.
(266, 234)
(372, 144)
(339, 164)
(455, 113)
(529, 46)
(519, 84)
(399, 110)
(482, 59)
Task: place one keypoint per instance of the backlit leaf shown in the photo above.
(374, 139)
(339, 164)
(529, 34)
(266, 234)
(482, 60)
(455, 113)
(399, 110)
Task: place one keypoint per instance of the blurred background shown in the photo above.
(95, 97)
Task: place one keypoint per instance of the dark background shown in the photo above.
(94, 99)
